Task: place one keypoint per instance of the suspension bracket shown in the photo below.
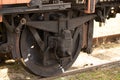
(64, 43)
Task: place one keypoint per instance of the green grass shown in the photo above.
(109, 74)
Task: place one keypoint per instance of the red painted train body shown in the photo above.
(3, 2)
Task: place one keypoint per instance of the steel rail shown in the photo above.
(86, 69)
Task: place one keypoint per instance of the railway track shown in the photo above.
(81, 70)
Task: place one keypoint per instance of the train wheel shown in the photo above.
(33, 56)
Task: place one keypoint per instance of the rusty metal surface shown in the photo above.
(91, 4)
(44, 8)
(85, 29)
(65, 35)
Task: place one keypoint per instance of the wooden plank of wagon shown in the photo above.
(3, 2)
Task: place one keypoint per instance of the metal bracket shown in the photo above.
(22, 22)
(35, 3)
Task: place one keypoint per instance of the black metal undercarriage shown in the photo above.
(47, 35)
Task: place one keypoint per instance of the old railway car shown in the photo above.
(46, 36)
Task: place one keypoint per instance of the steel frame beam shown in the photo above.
(47, 7)
(58, 26)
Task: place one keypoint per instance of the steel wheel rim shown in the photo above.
(36, 68)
